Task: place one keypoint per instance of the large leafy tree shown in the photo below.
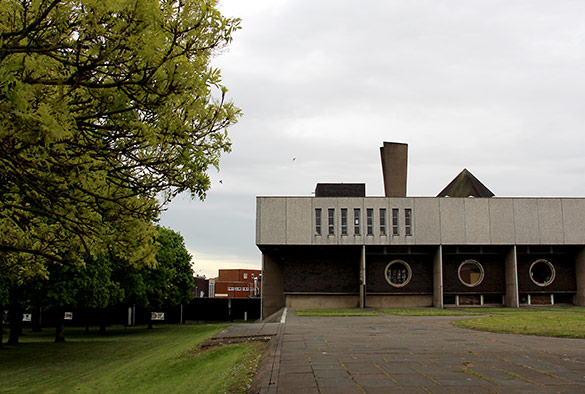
(169, 283)
(108, 109)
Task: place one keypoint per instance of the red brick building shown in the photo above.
(236, 283)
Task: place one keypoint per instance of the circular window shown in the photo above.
(398, 273)
(470, 273)
(542, 272)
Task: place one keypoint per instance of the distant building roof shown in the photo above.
(466, 185)
(340, 190)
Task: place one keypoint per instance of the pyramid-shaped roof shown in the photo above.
(466, 185)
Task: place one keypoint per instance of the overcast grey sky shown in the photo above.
(497, 87)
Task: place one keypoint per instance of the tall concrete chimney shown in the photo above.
(394, 165)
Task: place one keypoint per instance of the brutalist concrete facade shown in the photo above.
(420, 251)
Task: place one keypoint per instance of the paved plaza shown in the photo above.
(394, 354)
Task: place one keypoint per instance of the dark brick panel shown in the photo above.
(564, 268)
(321, 270)
(494, 273)
(422, 274)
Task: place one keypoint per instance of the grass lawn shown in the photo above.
(568, 322)
(553, 322)
(165, 359)
(427, 312)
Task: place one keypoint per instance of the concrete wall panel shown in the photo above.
(272, 221)
(299, 221)
(401, 204)
(550, 221)
(272, 286)
(320, 301)
(452, 212)
(502, 230)
(477, 221)
(325, 238)
(526, 221)
(435, 221)
(574, 221)
(427, 225)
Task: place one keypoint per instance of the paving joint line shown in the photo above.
(352, 378)
(550, 374)
(386, 373)
(515, 375)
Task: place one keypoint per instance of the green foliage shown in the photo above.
(169, 283)
(108, 109)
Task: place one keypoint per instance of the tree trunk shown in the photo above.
(60, 326)
(103, 322)
(36, 321)
(1, 325)
(15, 319)
(87, 320)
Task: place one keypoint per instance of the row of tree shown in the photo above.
(108, 110)
(102, 283)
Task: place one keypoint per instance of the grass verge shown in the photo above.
(427, 312)
(553, 322)
(567, 322)
(337, 312)
(165, 359)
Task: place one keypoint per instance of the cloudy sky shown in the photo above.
(497, 87)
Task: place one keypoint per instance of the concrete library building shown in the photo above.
(340, 248)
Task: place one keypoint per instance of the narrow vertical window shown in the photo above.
(408, 221)
(356, 221)
(343, 221)
(382, 221)
(318, 221)
(331, 223)
(370, 221)
(395, 221)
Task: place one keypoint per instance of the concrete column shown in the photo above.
(438, 278)
(363, 278)
(580, 276)
(512, 299)
(272, 285)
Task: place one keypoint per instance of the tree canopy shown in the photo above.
(108, 109)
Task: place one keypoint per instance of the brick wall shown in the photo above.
(422, 274)
(321, 269)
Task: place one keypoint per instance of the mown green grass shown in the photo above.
(165, 359)
(554, 322)
(568, 322)
(427, 312)
(337, 312)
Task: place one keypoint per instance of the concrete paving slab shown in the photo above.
(386, 354)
